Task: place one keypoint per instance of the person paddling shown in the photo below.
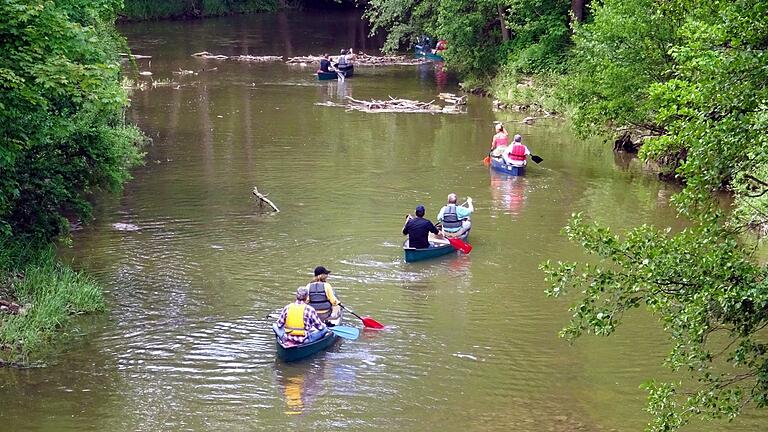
(418, 228)
(322, 297)
(517, 154)
(499, 141)
(325, 64)
(455, 218)
(298, 321)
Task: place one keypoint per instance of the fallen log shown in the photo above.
(263, 199)
(135, 56)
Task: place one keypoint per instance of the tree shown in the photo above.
(61, 113)
(703, 85)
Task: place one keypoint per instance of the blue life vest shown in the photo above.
(317, 297)
(451, 218)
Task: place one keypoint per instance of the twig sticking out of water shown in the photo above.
(263, 199)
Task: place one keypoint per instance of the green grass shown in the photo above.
(537, 91)
(51, 294)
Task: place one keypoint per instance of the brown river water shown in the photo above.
(471, 341)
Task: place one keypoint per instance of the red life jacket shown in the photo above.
(517, 153)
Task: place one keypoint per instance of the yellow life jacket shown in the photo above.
(294, 321)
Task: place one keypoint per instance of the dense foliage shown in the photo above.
(526, 35)
(61, 113)
(156, 9)
(692, 78)
(63, 137)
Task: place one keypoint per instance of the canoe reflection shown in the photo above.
(508, 193)
(300, 384)
(304, 382)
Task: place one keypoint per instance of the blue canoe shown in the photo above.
(298, 352)
(347, 71)
(427, 54)
(499, 165)
(436, 250)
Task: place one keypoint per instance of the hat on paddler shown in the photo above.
(321, 270)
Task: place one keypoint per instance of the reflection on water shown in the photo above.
(508, 192)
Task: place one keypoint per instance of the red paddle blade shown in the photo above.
(487, 160)
(372, 323)
(460, 245)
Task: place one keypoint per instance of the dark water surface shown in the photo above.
(471, 342)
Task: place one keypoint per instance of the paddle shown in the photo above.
(350, 333)
(460, 244)
(537, 159)
(367, 321)
(487, 160)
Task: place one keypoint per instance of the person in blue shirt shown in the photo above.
(455, 218)
(418, 228)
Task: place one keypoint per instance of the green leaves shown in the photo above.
(699, 282)
(62, 118)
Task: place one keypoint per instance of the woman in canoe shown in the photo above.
(499, 141)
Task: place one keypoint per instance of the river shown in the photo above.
(192, 265)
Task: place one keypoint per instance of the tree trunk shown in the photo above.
(502, 21)
(578, 9)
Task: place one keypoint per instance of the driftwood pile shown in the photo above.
(356, 59)
(401, 106)
(361, 60)
(241, 58)
(452, 98)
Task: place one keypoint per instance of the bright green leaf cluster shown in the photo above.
(61, 113)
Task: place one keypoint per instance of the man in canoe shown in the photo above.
(298, 322)
(325, 64)
(322, 297)
(455, 218)
(418, 228)
(517, 153)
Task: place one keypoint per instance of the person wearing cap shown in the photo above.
(455, 218)
(499, 141)
(322, 297)
(298, 322)
(517, 154)
(418, 228)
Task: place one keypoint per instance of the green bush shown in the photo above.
(154, 9)
(61, 113)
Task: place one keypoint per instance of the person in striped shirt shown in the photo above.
(298, 322)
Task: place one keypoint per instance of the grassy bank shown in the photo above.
(533, 93)
(49, 293)
(138, 10)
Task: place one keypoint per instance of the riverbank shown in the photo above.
(39, 296)
(67, 138)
